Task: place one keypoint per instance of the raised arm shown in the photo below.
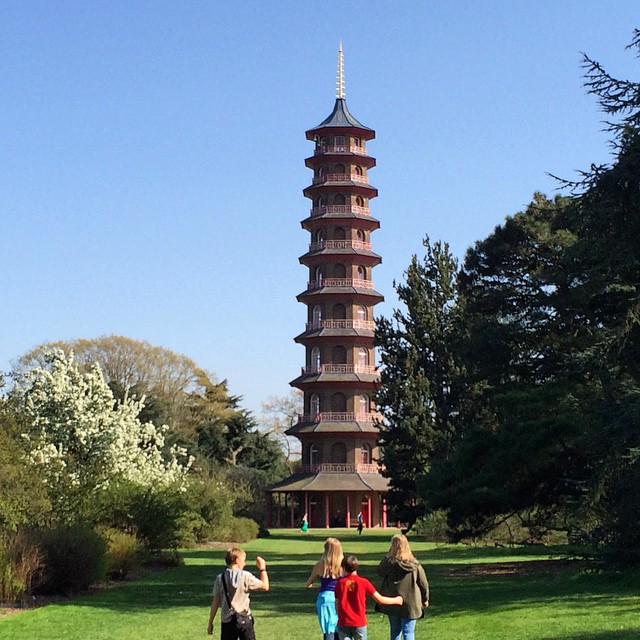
(264, 576)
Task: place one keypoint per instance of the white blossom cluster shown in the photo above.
(82, 437)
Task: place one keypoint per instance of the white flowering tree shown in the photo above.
(83, 440)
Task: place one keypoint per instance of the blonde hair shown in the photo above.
(331, 558)
(400, 548)
(234, 554)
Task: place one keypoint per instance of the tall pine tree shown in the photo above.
(418, 398)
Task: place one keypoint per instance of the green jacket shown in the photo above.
(404, 578)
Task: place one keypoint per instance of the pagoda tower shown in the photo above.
(338, 476)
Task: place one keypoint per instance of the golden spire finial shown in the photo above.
(340, 80)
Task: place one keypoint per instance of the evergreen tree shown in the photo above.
(419, 395)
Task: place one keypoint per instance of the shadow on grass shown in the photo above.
(454, 592)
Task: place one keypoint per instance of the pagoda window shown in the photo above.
(340, 141)
(319, 237)
(340, 270)
(322, 172)
(317, 315)
(363, 357)
(339, 199)
(338, 402)
(316, 361)
(319, 276)
(360, 235)
(365, 454)
(360, 201)
(340, 168)
(363, 404)
(358, 171)
(361, 312)
(320, 202)
(339, 312)
(362, 273)
(339, 453)
(339, 355)
(314, 455)
(339, 233)
(314, 406)
(357, 142)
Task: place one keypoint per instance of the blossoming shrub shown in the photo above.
(83, 440)
(73, 558)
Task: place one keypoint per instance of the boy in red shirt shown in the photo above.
(351, 601)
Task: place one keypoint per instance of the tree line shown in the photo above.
(116, 443)
(511, 382)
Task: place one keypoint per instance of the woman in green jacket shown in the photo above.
(402, 575)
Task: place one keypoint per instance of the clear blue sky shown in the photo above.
(151, 154)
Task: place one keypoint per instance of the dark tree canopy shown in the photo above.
(418, 395)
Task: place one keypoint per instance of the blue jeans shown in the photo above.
(352, 633)
(402, 628)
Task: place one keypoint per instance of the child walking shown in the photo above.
(351, 601)
(328, 569)
(231, 594)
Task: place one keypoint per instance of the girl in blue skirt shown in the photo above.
(327, 569)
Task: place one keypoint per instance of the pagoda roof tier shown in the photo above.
(319, 159)
(340, 120)
(355, 220)
(306, 425)
(352, 294)
(352, 384)
(332, 378)
(322, 482)
(330, 335)
(356, 187)
(325, 256)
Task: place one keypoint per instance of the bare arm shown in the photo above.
(264, 576)
(215, 604)
(380, 599)
(315, 573)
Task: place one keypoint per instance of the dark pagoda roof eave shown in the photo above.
(341, 118)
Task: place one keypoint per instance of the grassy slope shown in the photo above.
(466, 604)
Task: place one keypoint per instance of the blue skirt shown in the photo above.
(326, 607)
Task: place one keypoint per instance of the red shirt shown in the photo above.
(351, 600)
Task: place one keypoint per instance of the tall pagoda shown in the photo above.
(339, 475)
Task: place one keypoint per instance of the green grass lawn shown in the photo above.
(474, 595)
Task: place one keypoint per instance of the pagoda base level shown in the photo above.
(325, 509)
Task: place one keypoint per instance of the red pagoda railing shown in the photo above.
(334, 467)
(338, 416)
(340, 282)
(341, 177)
(339, 368)
(340, 208)
(340, 244)
(340, 148)
(367, 325)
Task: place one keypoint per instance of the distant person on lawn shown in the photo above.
(403, 575)
(328, 569)
(351, 601)
(231, 592)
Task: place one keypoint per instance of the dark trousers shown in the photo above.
(229, 631)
